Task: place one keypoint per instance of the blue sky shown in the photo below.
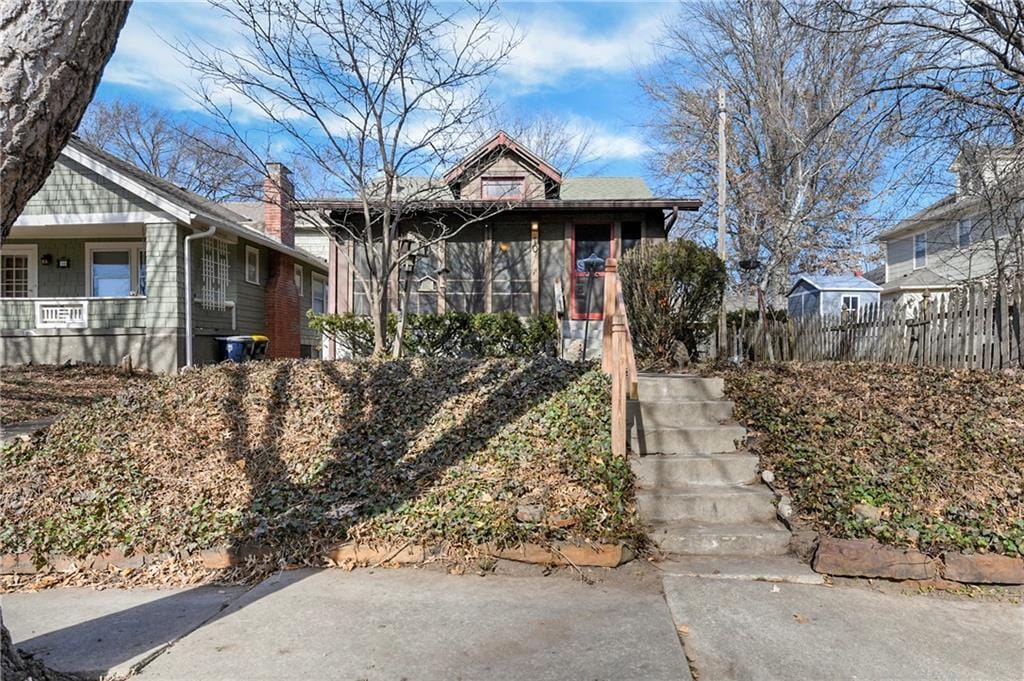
(578, 60)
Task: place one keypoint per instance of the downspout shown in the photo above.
(188, 290)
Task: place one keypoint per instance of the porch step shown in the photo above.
(686, 440)
(675, 413)
(681, 387)
(712, 505)
(748, 539)
(759, 568)
(686, 470)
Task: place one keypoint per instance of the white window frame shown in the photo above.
(924, 259)
(850, 296)
(961, 232)
(134, 248)
(300, 276)
(322, 280)
(32, 251)
(252, 251)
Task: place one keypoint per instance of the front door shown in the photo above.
(589, 241)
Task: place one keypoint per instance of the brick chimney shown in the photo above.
(278, 192)
(282, 298)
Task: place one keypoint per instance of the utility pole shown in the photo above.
(723, 345)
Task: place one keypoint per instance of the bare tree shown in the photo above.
(51, 58)
(957, 76)
(562, 142)
(806, 145)
(188, 154)
(377, 96)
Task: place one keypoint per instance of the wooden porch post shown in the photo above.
(611, 273)
(534, 268)
(618, 369)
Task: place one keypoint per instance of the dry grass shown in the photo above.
(30, 393)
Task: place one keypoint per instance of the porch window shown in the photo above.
(632, 235)
(319, 294)
(502, 188)
(18, 272)
(115, 270)
(589, 240)
(510, 257)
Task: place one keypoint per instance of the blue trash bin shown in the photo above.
(235, 348)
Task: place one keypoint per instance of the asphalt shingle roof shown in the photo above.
(920, 278)
(837, 282)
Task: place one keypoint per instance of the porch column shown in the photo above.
(165, 311)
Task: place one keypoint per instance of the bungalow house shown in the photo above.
(95, 270)
(961, 237)
(821, 295)
(527, 258)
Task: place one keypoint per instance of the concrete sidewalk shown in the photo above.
(756, 631)
(381, 624)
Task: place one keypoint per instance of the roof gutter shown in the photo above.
(188, 289)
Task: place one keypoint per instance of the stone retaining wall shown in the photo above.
(219, 558)
(869, 558)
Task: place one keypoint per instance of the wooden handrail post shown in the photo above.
(610, 309)
(618, 361)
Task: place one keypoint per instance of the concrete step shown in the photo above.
(755, 539)
(680, 387)
(685, 470)
(673, 413)
(712, 504)
(761, 568)
(686, 440)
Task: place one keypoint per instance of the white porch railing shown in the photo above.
(62, 314)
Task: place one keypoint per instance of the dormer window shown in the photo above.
(503, 188)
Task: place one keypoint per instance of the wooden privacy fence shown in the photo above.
(617, 356)
(976, 327)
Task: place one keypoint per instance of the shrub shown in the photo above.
(454, 334)
(673, 290)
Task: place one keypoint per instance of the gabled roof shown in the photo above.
(836, 282)
(182, 204)
(503, 140)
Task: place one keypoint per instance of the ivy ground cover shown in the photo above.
(299, 456)
(937, 453)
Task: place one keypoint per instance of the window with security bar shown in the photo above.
(215, 268)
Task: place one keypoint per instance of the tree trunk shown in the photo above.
(52, 55)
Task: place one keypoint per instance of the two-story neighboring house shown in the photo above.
(95, 270)
(970, 234)
(527, 259)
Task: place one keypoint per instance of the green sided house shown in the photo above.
(527, 259)
(95, 270)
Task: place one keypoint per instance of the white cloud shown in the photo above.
(557, 43)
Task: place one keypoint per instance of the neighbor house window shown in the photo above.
(252, 265)
(115, 270)
(497, 188)
(298, 279)
(963, 233)
(319, 293)
(920, 250)
(18, 271)
(851, 303)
